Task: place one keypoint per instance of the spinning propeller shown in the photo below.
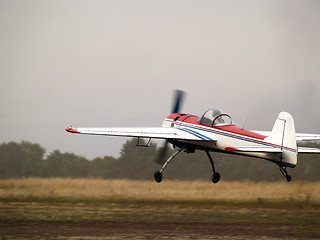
(163, 151)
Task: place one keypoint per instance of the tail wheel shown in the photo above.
(284, 172)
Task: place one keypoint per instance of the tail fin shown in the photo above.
(283, 135)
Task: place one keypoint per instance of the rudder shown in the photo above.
(283, 135)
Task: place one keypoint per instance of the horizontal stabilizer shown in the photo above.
(303, 137)
(307, 150)
(300, 137)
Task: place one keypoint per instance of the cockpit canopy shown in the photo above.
(214, 117)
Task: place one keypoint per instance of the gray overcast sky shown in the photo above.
(116, 63)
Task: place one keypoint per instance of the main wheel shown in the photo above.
(158, 177)
(216, 177)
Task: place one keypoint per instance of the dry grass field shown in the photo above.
(126, 209)
(103, 190)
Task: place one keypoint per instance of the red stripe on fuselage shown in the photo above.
(236, 130)
(187, 118)
(227, 130)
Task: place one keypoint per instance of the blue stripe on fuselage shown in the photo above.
(203, 137)
(194, 133)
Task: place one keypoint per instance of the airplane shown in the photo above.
(214, 131)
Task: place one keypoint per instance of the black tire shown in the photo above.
(216, 177)
(288, 178)
(158, 177)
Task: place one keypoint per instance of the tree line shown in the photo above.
(26, 159)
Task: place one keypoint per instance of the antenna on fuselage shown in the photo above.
(244, 123)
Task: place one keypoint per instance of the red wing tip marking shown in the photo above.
(231, 149)
(71, 130)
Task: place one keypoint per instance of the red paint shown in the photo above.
(231, 149)
(240, 131)
(71, 130)
(187, 118)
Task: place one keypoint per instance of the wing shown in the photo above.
(156, 132)
(300, 137)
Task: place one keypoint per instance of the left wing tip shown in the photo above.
(71, 130)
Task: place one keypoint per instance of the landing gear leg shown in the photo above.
(158, 175)
(216, 175)
(284, 172)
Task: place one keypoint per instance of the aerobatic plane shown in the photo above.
(214, 131)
